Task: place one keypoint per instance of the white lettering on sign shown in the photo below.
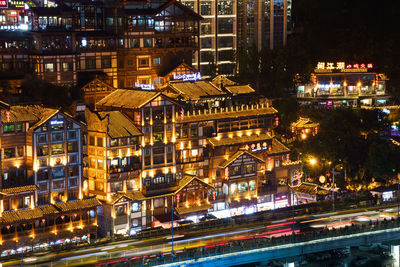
(145, 86)
(188, 76)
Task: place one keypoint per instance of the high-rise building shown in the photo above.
(218, 31)
(263, 23)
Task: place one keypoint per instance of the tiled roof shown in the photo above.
(194, 208)
(19, 189)
(232, 158)
(32, 113)
(187, 179)
(78, 204)
(130, 99)
(20, 215)
(119, 125)
(238, 140)
(276, 149)
(240, 89)
(208, 115)
(308, 188)
(48, 209)
(134, 195)
(304, 123)
(221, 81)
(190, 90)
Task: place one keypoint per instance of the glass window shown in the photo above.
(235, 170)
(73, 182)
(148, 42)
(72, 158)
(91, 141)
(90, 63)
(120, 210)
(43, 162)
(57, 125)
(73, 170)
(58, 185)
(8, 128)
(18, 127)
(248, 169)
(57, 149)
(124, 141)
(205, 27)
(43, 186)
(72, 147)
(159, 202)
(100, 141)
(206, 42)
(205, 7)
(20, 151)
(43, 175)
(106, 62)
(42, 138)
(225, 41)
(252, 185)
(66, 66)
(225, 7)
(225, 25)
(233, 188)
(156, 61)
(114, 142)
(144, 63)
(135, 207)
(72, 135)
(243, 187)
(49, 67)
(135, 43)
(116, 186)
(43, 150)
(9, 153)
(57, 137)
(100, 164)
(58, 173)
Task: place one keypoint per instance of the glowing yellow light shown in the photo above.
(239, 134)
(181, 145)
(173, 140)
(151, 173)
(218, 137)
(359, 84)
(174, 170)
(189, 144)
(248, 133)
(187, 204)
(165, 170)
(206, 180)
(303, 136)
(344, 83)
(35, 166)
(313, 161)
(109, 197)
(230, 135)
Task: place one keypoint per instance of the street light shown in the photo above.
(313, 161)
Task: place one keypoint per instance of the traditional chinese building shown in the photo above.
(41, 194)
(304, 127)
(72, 42)
(341, 84)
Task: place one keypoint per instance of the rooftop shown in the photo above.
(276, 149)
(309, 188)
(304, 123)
(236, 155)
(32, 113)
(119, 125)
(226, 113)
(216, 141)
(130, 99)
(191, 90)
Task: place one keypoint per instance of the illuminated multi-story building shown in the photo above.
(263, 23)
(218, 36)
(203, 146)
(41, 193)
(340, 84)
(71, 41)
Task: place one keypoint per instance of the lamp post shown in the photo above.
(333, 188)
(172, 225)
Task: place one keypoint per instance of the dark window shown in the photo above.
(66, 66)
(206, 42)
(225, 25)
(43, 150)
(57, 172)
(135, 43)
(148, 42)
(90, 63)
(72, 147)
(205, 7)
(9, 153)
(106, 62)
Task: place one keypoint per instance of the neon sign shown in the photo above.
(3, 4)
(188, 76)
(145, 86)
(56, 122)
(343, 67)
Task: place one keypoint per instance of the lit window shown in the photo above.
(49, 67)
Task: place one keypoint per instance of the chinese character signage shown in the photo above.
(145, 86)
(188, 76)
(342, 67)
(3, 4)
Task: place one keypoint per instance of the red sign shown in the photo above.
(3, 4)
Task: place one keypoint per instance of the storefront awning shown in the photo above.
(192, 209)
